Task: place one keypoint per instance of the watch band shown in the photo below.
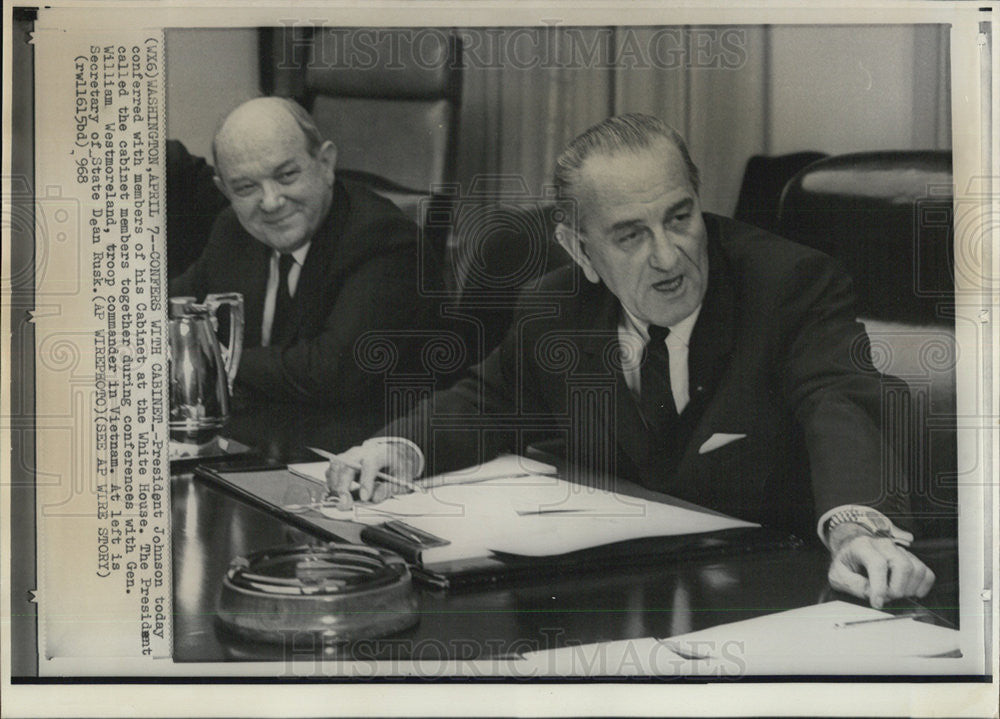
(873, 521)
(878, 525)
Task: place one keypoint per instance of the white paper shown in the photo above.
(508, 465)
(646, 656)
(532, 516)
(798, 641)
(787, 637)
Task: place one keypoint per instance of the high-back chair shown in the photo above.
(388, 97)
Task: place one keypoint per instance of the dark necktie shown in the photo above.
(282, 302)
(655, 396)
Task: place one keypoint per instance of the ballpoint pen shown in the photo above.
(546, 512)
(910, 615)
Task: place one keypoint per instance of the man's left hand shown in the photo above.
(877, 569)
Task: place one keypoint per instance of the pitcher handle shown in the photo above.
(232, 350)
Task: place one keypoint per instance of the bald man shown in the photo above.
(320, 261)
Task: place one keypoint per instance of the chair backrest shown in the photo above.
(763, 180)
(412, 202)
(419, 207)
(389, 98)
(507, 244)
(887, 217)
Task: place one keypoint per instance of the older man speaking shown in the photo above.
(320, 261)
(741, 377)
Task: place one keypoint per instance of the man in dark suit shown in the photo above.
(703, 358)
(319, 261)
(193, 203)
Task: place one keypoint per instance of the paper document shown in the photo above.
(508, 465)
(626, 657)
(534, 515)
(825, 630)
(816, 639)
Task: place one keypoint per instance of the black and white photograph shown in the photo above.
(406, 351)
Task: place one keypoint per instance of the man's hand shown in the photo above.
(875, 567)
(394, 456)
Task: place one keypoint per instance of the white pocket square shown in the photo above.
(719, 439)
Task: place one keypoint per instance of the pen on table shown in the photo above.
(911, 615)
(546, 512)
(398, 481)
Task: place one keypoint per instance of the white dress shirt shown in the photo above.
(273, 280)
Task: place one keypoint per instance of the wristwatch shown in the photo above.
(876, 523)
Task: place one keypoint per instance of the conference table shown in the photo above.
(212, 527)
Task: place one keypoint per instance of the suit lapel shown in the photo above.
(626, 426)
(253, 263)
(318, 268)
(709, 354)
(712, 338)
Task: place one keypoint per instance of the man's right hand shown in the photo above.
(875, 568)
(394, 456)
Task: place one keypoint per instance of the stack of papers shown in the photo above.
(508, 465)
(525, 514)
